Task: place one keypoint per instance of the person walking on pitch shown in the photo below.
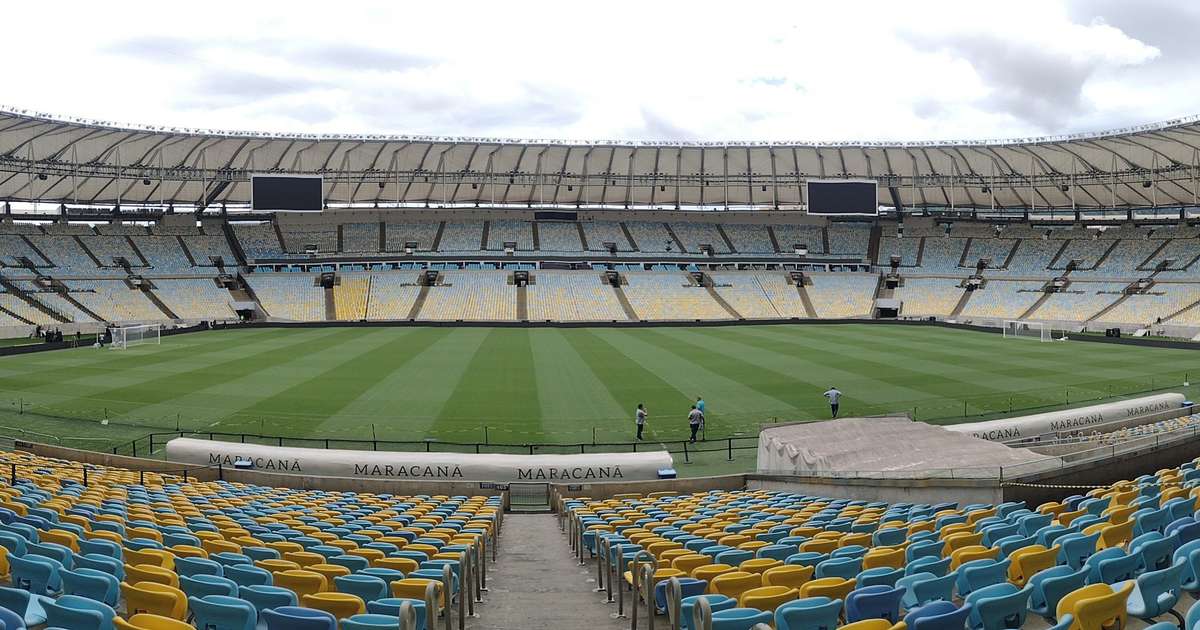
(694, 420)
(833, 394)
(641, 420)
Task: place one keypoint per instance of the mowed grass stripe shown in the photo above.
(324, 384)
(695, 372)
(571, 397)
(498, 388)
(412, 384)
(124, 399)
(41, 369)
(629, 383)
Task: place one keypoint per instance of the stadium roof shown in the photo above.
(49, 158)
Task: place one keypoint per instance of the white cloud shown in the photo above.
(619, 70)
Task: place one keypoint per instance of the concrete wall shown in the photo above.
(678, 486)
(891, 490)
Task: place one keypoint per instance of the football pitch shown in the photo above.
(546, 385)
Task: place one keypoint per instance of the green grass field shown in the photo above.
(553, 385)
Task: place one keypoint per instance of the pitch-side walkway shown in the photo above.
(538, 585)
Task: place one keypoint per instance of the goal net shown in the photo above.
(125, 336)
(1032, 330)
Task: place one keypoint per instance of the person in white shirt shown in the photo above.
(641, 420)
(833, 394)
(694, 420)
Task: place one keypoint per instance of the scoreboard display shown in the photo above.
(841, 197)
(286, 192)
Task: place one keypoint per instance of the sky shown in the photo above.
(613, 70)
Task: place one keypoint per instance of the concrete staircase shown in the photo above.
(330, 305)
(675, 239)
(625, 305)
(147, 291)
(33, 303)
(629, 237)
(962, 303)
(774, 239)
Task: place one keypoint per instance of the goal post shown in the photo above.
(1016, 329)
(125, 336)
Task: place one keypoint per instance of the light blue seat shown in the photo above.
(1180, 507)
(1148, 520)
(998, 607)
(102, 547)
(260, 553)
(1153, 550)
(888, 537)
(810, 613)
(36, 574)
(371, 622)
(931, 548)
(52, 550)
(1074, 549)
(367, 587)
(739, 618)
(263, 596)
(384, 573)
(980, 573)
(248, 575)
(849, 551)
(28, 606)
(202, 585)
(296, 618)
(845, 568)
(230, 559)
(111, 566)
(922, 588)
(390, 607)
(806, 558)
(1190, 553)
(1051, 585)
(354, 563)
(996, 532)
(775, 552)
(928, 564)
(79, 613)
(1012, 543)
(1186, 529)
(874, 602)
(222, 612)
(938, 616)
(1033, 522)
(1111, 565)
(187, 567)
(92, 584)
(879, 576)
(1156, 592)
(734, 557)
(11, 620)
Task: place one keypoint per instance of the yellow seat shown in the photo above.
(138, 573)
(668, 557)
(964, 555)
(874, 624)
(831, 587)
(330, 571)
(146, 621)
(1065, 518)
(767, 597)
(709, 572)
(301, 582)
(304, 558)
(61, 537)
(733, 584)
(1116, 535)
(960, 540)
(372, 555)
(156, 599)
(792, 575)
(414, 588)
(891, 558)
(274, 565)
(153, 557)
(143, 532)
(403, 565)
(819, 545)
(217, 546)
(188, 551)
(1096, 606)
(759, 565)
(690, 562)
(1028, 561)
(340, 605)
(428, 550)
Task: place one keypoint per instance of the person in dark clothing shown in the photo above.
(694, 420)
(641, 420)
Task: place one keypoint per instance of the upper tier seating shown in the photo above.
(290, 296)
(69, 258)
(749, 238)
(995, 249)
(836, 296)
(650, 236)
(297, 239)
(572, 296)
(198, 298)
(849, 239)
(14, 247)
(20, 228)
(462, 237)
(1033, 258)
(670, 296)
(360, 237)
(942, 255)
(555, 236)
(600, 232)
(115, 301)
(165, 256)
(811, 236)
(204, 247)
(907, 248)
(501, 231)
(1123, 260)
(107, 248)
(1086, 250)
(175, 230)
(397, 234)
(471, 296)
(258, 240)
(692, 235)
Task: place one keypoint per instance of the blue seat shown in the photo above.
(1111, 565)
(924, 548)
(806, 558)
(928, 564)
(922, 588)
(263, 596)
(368, 587)
(79, 613)
(810, 613)
(102, 547)
(28, 606)
(980, 573)
(845, 568)
(1180, 507)
(687, 588)
(371, 622)
(36, 574)
(386, 574)
(230, 559)
(51, 550)
(222, 612)
(874, 602)
(202, 585)
(354, 563)
(11, 620)
(1074, 549)
(740, 618)
(885, 576)
(1156, 592)
(92, 584)
(187, 567)
(938, 616)
(111, 566)
(1148, 520)
(296, 618)
(1190, 553)
(998, 607)
(260, 553)
(248, 575)
(776, 552)
(1154, 551)
(390, 607)
(996, 532)
(1186, 529)
(888, 537)
(1051, 585)
(1031, 523)
(734, 557)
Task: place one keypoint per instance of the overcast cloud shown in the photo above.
(615, 70)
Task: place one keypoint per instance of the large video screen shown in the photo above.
(274, 192)
(842, 197)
